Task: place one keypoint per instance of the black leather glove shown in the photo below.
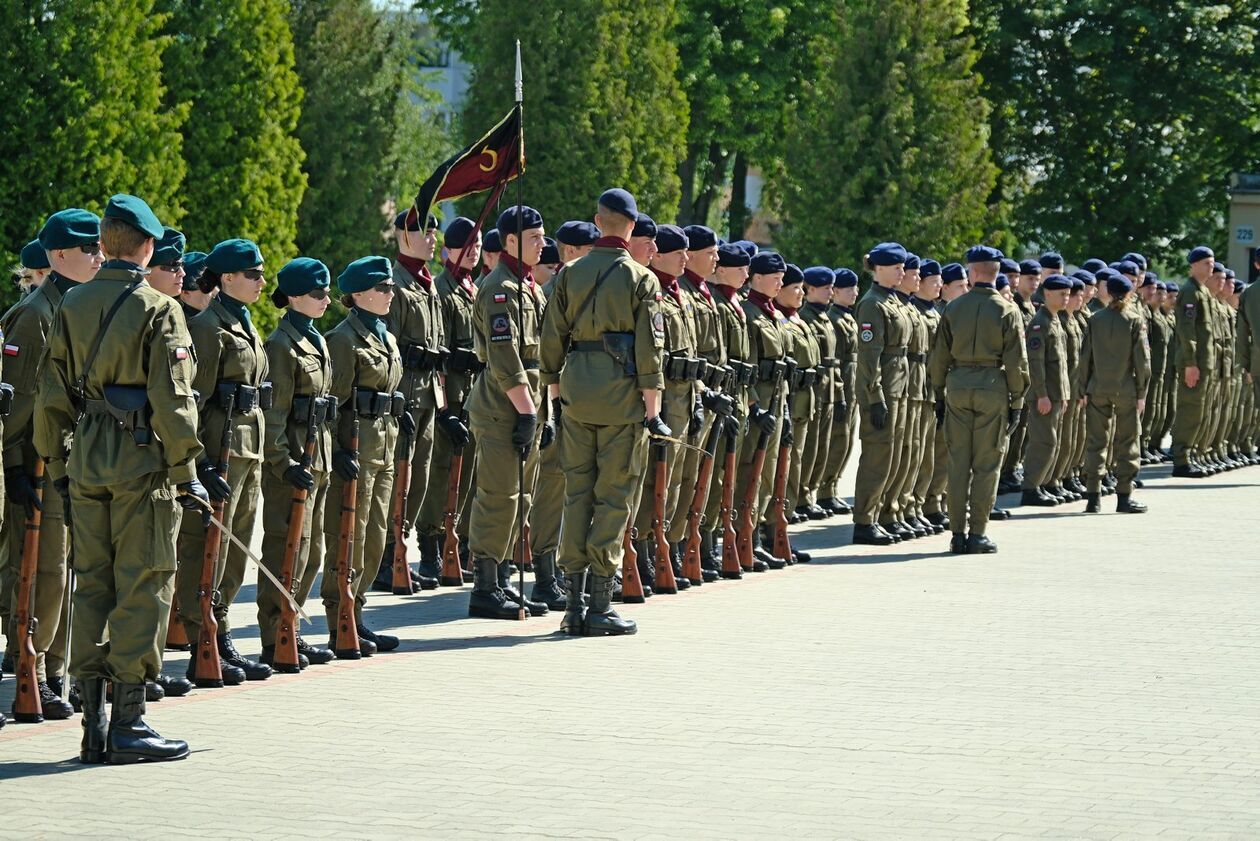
(841, 410)
(407, 425)
(62, 487)
(696, 422)
(786, 438)
(213, 483)
(733, 425)
(557, 410)
(763, 420)
(189, 494)
(21, 490)
(718, 403)
(879, 415)
(1012, 419)
(453, 426)
(548, 433)
(940, 413)
(523, 432)
(657, 426)
(300, 478)
(346, 465)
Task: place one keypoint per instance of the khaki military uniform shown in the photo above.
(1048, 373)
(979, 364)
(828, 389)
(1019, 438)
(883, 376)
(938, 485)
(1195, 347)
(547, 511)
(603, 445)
(768, 345)
(1159, 334)
(920, 418)
(228, 352)
(1114, 372)
(301, 372)
(930, 434)
(732, 322)
(802, 404)
(125, 513)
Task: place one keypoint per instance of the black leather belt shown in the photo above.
(893, 354)
(917, 357)
(530, 364)
(587, 347)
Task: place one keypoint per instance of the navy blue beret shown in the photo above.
(1056, 281)
(750, 247)
(670, 238)
(1119, 286)
(1201, 252)
(458, 232)
(1138, 259)
(363, 274)
(491, 242)
(70, 228)
(1052, 260)
(983, 254)
(233, 255)
(1239, 286)
(1229, 273)
(1093, 264)
(846, 278)
(523, 216)
(1029, 267)
(1159, 284)
(34, 256)
(644, 226)
(1106, 273)
(1218, 266)
(1126, 267)
(732, 256)
(912, 261)
(620, 201)
(301, 275)
(953, 272)
(1002, 282)
(887, 254)
(767, 262)
(1009, 266)
(409, 220)
(819, 276)
(929, 268)
(1085, 276)
(550, 253)
(792, 274)
(1149, 278)
(1173, 286)
(194, 265)
(135, 213)
(577, 233)
(1078, 285)
(699, 237)
(168, 249)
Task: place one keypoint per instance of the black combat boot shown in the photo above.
(174, 687)
(505, 583)
(488, 601)
(958, 544)
(676, 551)
(55, 684)
(1126, 504)
(130, 739)
(866, 534)
(268, 658)
(760, 553)
(980, 544)
(431, 556)
(710, 560)
(384, 580)
(314, 654)
(54, 708)
(229, 675)
(228, 654)
(939, 519)
(575, 606)
(644, 550)
(546, 586)
(383, 642)
(1092, 503)
(95, 724)
(1037, 497)
(601, 619)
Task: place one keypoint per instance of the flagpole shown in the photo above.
(520, 316)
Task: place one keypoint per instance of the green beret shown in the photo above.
(302, 274)
(364, 273)
(135, 213)
(34, 256)
(194, 265)
(233, 255)
(169, 248)
(70, 229)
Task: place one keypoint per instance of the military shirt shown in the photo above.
(1047, 356)
(298, 366)
(981, 331)
(1115, 359)
(1158, 334)
(846, 350)
(415, 317)
(26, 327)
(919, 387)
(1075, 326)
(708, 325)
(766, 341)
(829, 387)
(1195, 345)
(507, 323)
(930, 320)
(802, 345)
(456, 299)
(884, 333)
(227, 352)
(733, 324)
(361, 360)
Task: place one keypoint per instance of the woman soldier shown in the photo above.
(1114, 371)
(367, 369)
(301, 375)
(231, 370)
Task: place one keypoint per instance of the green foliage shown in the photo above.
(233, 64)
(603, 106)
(83, 112)
(1117, 124)
(889, 141)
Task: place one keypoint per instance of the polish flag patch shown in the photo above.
(12, 350)
(500, 298)
(181, 353)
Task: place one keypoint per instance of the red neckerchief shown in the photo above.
(762, 302)
(418, 269)
(461, 274)
(731, 294)
(522, 271)
(612, 242)
(787, 311)
(669, 284)
(698, 282)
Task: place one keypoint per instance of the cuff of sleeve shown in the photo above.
(650, 381)
(546, 378)
(510, 382)
(181, 473)
(1040, 393)
(54, 469)
(1017, 401)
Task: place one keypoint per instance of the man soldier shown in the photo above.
(35, 265)
(1050, 389)
(191, 299)
(844, 410)
(954, 284)
(1196, 362)
(1025, 282)
(828, 389)
(1098, 297)
(415, 319)
(1011, 270)
(71, 239)
(123, 389)
(575, 239)
(980, 373)
(503, 409)
(491, 248)
(894, 514)
(456, 294)
(601, 349)
(801, 346)
(925, 301)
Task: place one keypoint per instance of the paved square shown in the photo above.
(1098, 678)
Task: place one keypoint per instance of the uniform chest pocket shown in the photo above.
(367, 361)
(310, 365)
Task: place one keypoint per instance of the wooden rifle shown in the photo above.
(631, 584)
(695, 514)
(347, 629)
(209, 670)
(401, 583)
(664, 570)
(452, 572)
(26, 704)
(286, 655)
(726, 515)
(748, 505)
(778, 505)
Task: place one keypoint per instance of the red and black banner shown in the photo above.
(492, 161)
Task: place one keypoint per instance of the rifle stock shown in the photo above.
(452, 572)
(400, 583)
(26, 704)
(664, 569)
(730, 555)
(695, 513)
(286, 655)
(778, 512)
(347, 629)
(631, 584)
(748, 505)
(176, 636)
(209, 670)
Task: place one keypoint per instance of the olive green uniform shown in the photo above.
(1248, 353)
(1048, 373)
(802, 404)
(125, 513)
(1071, 437)
(547, 511)
(1158, 334)
(768, 345)
(301, 373)
(26, 327)
(979, 365)
(938, 485)
(1019, 438)
(844, 419)
(930, 434)
(920, 419)
(362, 365)
(883, 376)
(228, 352)
(1114, 372)
(603, 445)
(828, 389)
(1195, 347)
(732, 322)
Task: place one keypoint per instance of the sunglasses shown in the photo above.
(253, 274)
(92, 248)
(318, 294)
(171, 268)
(385, 288)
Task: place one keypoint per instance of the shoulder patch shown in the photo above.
(658, 321)
(1036, 327)
(180, 354)
(500, 329)
(500, 297)
(12, 350)
(1190, 307)
(867, 333)
(1034, 343)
